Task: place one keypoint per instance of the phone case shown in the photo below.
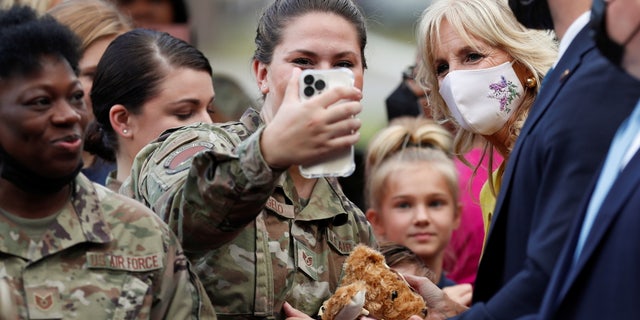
(314, 82)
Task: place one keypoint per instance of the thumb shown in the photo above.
(290, 311)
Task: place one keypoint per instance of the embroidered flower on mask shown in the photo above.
(504, 91)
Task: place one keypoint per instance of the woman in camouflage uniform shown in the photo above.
(69, 248)
(259, 232)
(146, 82)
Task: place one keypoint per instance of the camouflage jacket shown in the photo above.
(104, 257)
(263, 247)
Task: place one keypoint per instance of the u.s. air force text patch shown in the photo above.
(104, 260)
(180, 159)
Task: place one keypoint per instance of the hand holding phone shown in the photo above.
(312, 83)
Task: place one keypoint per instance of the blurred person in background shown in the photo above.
(40, 6)
(231, 99)
(171, 16)
(408, 98)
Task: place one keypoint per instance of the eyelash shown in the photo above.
(470, 57)
(476, 56)
(302, 62)
(345, 64)
(184, 116)
(39, 102)
(436, 203)
(441, 68)
(77, 99)
(306, 63)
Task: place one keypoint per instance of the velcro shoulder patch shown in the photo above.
(167, 147)
(180, 158)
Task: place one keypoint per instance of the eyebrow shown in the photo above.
(465, 49)
(193, 101)
(313, 54)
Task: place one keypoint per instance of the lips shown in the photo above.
(70, 143)
(422, 236)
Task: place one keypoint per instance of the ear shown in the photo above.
(376, 222)
(119, 118)
(260, 72)
(457, 216)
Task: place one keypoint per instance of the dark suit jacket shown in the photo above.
(605, 282)
(560, 147)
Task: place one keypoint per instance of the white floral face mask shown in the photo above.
(482, 100)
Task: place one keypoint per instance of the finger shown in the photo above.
(423, 285)
(343, 111)
(344, 128)
(291, 92)
(415, 281)
(335, 94)
(340, 143)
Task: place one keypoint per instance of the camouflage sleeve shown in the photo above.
(202, 185)
(226, 193)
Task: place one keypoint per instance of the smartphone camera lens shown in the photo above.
(320, 85)
(308, 79)
(309, 91)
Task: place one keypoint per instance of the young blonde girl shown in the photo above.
(412, 192)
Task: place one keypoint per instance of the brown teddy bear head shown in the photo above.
(386, 294)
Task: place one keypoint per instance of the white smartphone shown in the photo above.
(312, 83)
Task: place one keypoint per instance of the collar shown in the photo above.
(571, 33)
(83, 221)
(325, 201)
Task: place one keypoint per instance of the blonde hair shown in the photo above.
(408, 140)
(91, 20)
(492, 22)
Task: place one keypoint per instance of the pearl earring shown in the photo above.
(125, 131)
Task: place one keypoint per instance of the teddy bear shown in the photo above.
(370, 288)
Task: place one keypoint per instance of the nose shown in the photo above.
(203, 116)
(422, 215)
(324, 65)
(66, 114)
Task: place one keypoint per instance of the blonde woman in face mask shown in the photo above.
(485, 70)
